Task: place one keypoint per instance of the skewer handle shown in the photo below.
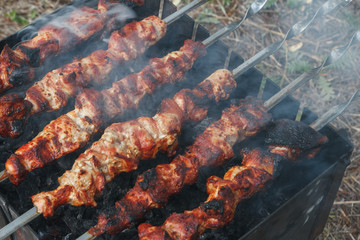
(18, 222)
(254, 8)
(333, 57)
(334, 112)
(3, 175)
(179, 13)
(294, 31)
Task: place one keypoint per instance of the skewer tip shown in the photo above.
(86, 236)
(3, 175)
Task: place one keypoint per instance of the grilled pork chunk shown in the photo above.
(259, 166)
(54, 90)
(94, 109)
(124, 144)
(211, 148)
(18, 65)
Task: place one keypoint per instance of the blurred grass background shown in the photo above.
(335, 84)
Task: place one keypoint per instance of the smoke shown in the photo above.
(248, 84)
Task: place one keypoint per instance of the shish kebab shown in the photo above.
(214, 146)
(150, 135)
(241, 182)
(258, 167)
(295, 30)
(58, 86)
(32, 213)
(94, 109)
(18, 65)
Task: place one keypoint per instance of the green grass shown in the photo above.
(294, 3)
(326, 90)
(298, 66)
(15, 17)
(207, 16)
(270, 3)
(19, 19)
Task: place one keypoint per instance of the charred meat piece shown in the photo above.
(123, 145)
(73, 130)
(290, 138)
(153, 188)
(14, 113)
(239, 183)
(54, 90)
(17, 65)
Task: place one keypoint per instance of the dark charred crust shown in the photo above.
(174, 63)
(14, 113)
(111, 222)
(215, 205)
(226, 192)
(293, 134)
(72, 77)
(17, 127)
(149, 78)
(88, 119)
(20, 75)
(149, 176)
(107, 59)
(166, 236)
(131, 83)
(33, 55)
(277, 166)
(199, 102)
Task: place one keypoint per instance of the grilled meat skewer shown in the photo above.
(153, 188)
(17, 66)
(115, 100)
(53, 91)
(123, 145)
(93, 109)
(258, 167)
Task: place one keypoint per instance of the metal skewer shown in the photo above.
(32, 213)
(334, 112)
(169, 19)
(333, 56)
(316, 125)
(253, 9)
(297, 28)
(181, 12)
(3, 176)
(294, 31)
(161, 9)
